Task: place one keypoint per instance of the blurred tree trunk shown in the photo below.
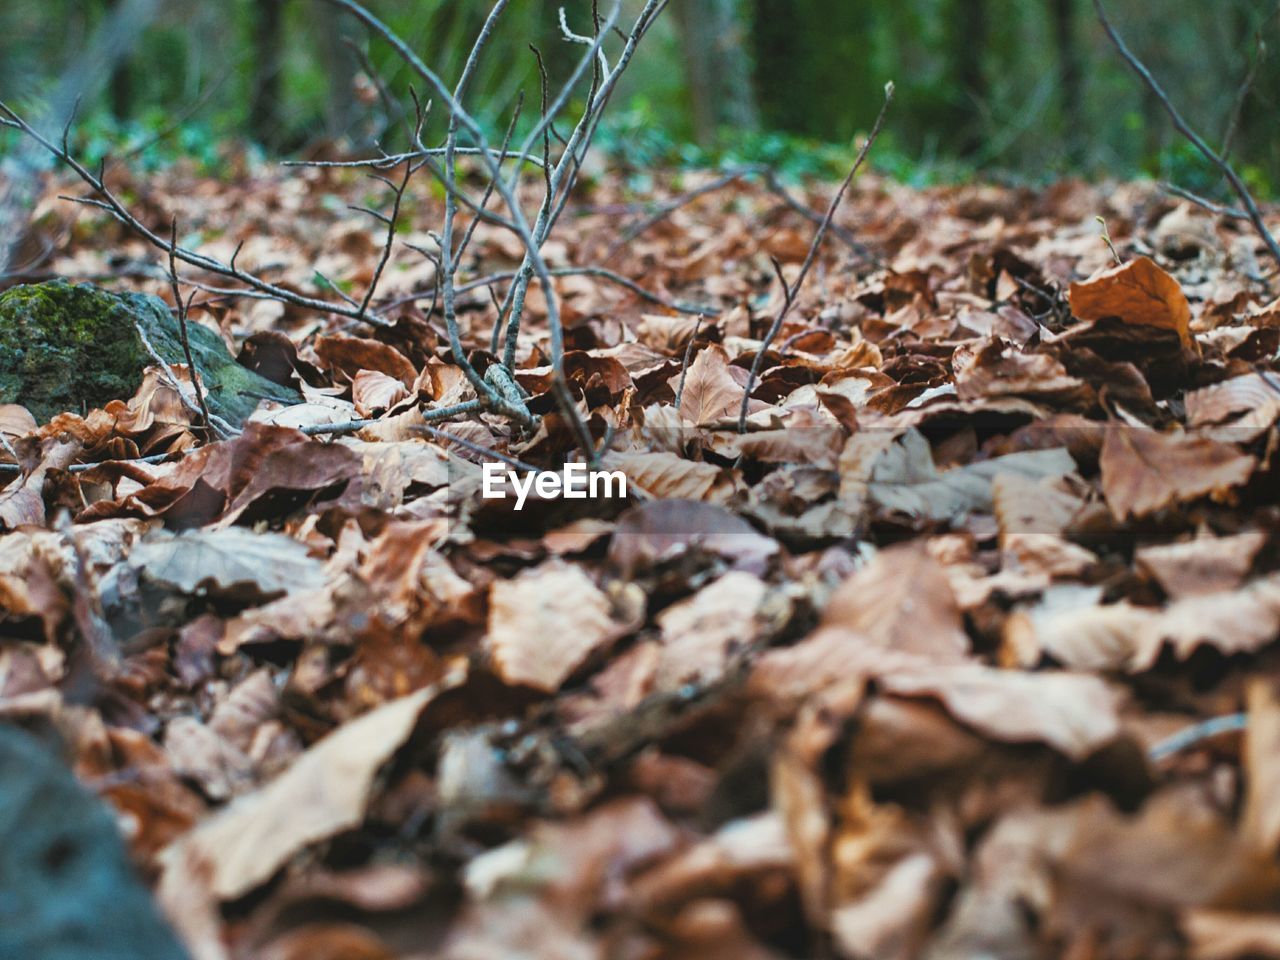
(341, 67)
(267, 40)
(967, 33)
(1070, 91)
(713, 37)
(120, 85)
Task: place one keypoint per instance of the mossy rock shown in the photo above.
(71, 347)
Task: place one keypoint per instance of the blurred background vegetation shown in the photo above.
(1019, 89)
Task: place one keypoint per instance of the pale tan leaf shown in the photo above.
(1260, 818)
(1203, 565)
(373, 392)
(902, 601)
(710, 390)
(901, 477)
(545, 623)
(228, 560)
(672, 477)
(1074, 713)
(701, 634)
(325, 791)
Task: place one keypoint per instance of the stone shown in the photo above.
(72, 347)
(67, 888)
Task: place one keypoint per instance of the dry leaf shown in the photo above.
(1144, 471)
(545, 623)
(901, 601)
(710, 390)
(229, 561)
(1137, 292)
(325, 791)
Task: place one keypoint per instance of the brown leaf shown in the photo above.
(545, 623)
(658, 531)
(228, 561)
(1260, 818)
(900, 476)
(1203, 565)
(325, 791)
(711, 391)
(374, 392)
(672, 477)
(700, 635)
(901, 601)
(15, 421)
(1231, 934)
(1138, 292)
(1144, 471)
(995, 368)
(353, 354)
(1074, 713)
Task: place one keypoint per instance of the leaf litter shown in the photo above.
(893, 672)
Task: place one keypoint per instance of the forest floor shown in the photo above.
(918, 665)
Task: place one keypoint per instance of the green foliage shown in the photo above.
(149, 141)
(971, 98)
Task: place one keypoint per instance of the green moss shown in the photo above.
(66, 347)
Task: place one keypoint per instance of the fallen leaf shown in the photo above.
(325, 791)
(1203, 565)
(901, 601)
(710, 390)
(1144, 471)
(544, 624)
(1137, 292)
(701, 635)
(1074, 713)
(228, 561)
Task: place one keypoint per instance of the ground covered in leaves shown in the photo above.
(918, 665)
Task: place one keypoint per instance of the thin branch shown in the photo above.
(478, 448)
(397, 192)
(183, 308)
(114, 206)
(1228, 171)
(671, 206)
(688, 355)
(791, 292)
(1234, 213)
(392, 160)
(1197, 732)
(221, 427)
(354, 426)
(86, 467)
(601, 273)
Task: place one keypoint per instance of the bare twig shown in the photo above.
(1197, 732)
(671, 206)
(86, 467)
(354, 426)
(791, 291)
(478, 448)
(391, 160)
(117, 209)
(688, 355)
(397, 193)
(220, 426)
(1219, 161)
(1234, 213)
(183, 308)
